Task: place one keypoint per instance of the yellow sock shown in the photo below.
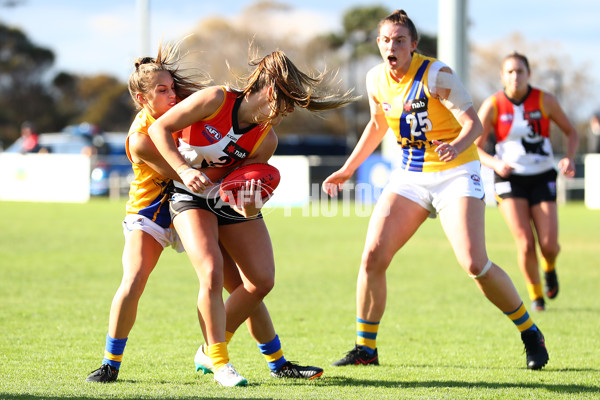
(535, 291)
(228, 337)
(218, 354)
(520, 317)
(547, 267)
(366, 334)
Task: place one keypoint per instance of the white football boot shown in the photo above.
(228, 376)
(203, 362)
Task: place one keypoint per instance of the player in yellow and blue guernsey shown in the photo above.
(426, 106)
(147, 224)
(148, 191)
(156, 85)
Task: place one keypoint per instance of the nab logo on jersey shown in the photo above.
(532, 115)
(234, 151)
(416, 105)
(211, 134)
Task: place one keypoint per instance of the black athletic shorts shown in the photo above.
(534, 188)
(181, 200)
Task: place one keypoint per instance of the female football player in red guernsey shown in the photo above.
(223, 128)
(525, 177)
(155, 85)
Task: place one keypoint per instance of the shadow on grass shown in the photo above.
(558, 388)
(547, 369)
(5, 396)
(339, 381)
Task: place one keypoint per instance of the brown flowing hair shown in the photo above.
(168, 59)
(291, 87)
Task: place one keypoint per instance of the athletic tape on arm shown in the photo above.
(459, 100)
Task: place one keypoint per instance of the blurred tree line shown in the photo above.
(26, 93)
(347, 55)
(222, 48)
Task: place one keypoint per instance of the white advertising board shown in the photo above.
(592, 181)
(294, 187)
(44, 177)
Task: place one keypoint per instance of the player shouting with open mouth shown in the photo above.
(432, 116)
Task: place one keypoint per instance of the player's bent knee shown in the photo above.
(261, 288)
(549, 250)
(375, 262)
(484, 271)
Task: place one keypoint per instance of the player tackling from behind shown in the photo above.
(224, 128)
(155, 85)
(435, 124)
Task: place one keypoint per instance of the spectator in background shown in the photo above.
(525, 174)
(29, 137)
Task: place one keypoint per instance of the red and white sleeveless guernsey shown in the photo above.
(523, 133)
(217, 141)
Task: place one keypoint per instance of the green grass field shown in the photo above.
(439, 339)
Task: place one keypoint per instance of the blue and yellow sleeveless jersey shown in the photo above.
(148, 191)
(416, 117)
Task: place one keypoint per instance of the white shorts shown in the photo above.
(165, 236)
(434, 190)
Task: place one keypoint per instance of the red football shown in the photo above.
(236, 180)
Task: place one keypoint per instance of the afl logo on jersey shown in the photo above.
(387, 107)
(505, 118)
(211, 134)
